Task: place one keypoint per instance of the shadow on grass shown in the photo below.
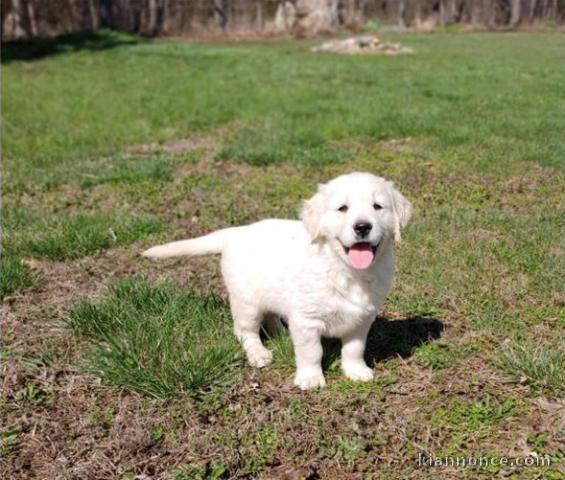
(390, 338)
(37, 49)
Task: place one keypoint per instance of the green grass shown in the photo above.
(470, 127)
(67, 237)
(437, 355)
(540, 365)
(462, 420)
(477, 415)
(129, 171)
(157, 339)
(461, 92)
(16, 277)
(266, 146)
(212, 471)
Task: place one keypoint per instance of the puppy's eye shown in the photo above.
(376, 206)
(343, 208)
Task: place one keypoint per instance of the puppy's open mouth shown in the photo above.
(361, 255)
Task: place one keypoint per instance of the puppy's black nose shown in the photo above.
(362, 228)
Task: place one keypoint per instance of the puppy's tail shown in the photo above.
(206, 245)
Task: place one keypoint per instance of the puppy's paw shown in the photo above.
(306, 379)
(358, 371)
(259, 357)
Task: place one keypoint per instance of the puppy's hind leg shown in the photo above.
(246, 326)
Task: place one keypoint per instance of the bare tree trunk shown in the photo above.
(532, 12)
(515, 13)
(451, 11)
(94, 17)
(259, 15)
(71, 17)
(441, 12)
(543, 9)
(418, 14)
(31, 18)
(401, 13)
(152, 21)
(475, 13)
(492, 13)
(552, 13)
(221, 12)
(18, 27)
(105, 15)
(166, 16)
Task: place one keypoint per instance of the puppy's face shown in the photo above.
(356, 214)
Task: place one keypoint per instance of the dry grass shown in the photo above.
(466, 352)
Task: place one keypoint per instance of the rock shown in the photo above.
(362, 44)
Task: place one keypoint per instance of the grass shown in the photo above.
(265, 146)
(540, 365)
(156, 339)
(436, 355)
(15, 275)
(67, 237)
(467, 354)
(129, 171)
(477, 415)
(461, 92)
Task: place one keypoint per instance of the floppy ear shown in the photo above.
(310, 214)
(402, 211)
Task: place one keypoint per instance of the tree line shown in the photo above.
(24, 19)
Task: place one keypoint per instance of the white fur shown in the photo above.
(300, 271)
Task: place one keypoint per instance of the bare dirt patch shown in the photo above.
(174, 147)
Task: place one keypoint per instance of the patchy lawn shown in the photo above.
(117, 367)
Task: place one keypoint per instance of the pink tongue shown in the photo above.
(360, 255)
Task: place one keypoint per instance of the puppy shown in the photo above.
(326, 275)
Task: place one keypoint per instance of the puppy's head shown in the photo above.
(356, 214)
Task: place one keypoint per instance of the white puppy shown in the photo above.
(327, 275)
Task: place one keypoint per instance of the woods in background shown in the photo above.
(24, 19)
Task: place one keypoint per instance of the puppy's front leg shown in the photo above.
(308, 352)
(352, 352)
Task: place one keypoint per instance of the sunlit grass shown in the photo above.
(157, 339)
